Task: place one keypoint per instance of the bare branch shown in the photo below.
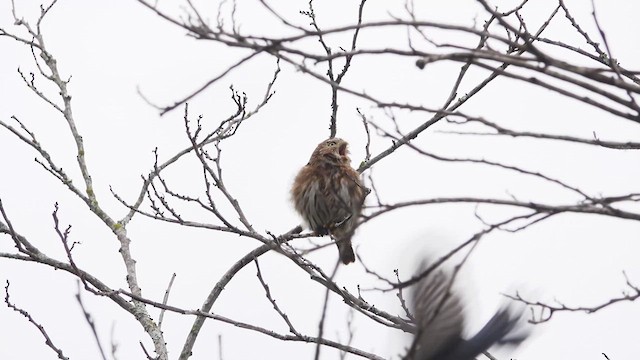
(324, 310)
(165, 299)
(273, 301)
(258, 329)
(40, 328)
(89, 319)
(502, 131)
(546, 311)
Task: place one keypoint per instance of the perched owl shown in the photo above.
(328, 194)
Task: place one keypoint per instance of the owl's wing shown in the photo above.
(351, 190)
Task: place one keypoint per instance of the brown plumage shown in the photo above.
(328, 193)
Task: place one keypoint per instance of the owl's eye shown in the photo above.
(331, 143)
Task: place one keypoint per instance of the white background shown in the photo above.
(111, 47)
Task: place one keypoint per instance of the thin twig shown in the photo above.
(325, 306)
(40, 328)
(267, 292)
(165, 299)
(89, 318)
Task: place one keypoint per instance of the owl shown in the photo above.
(328, 194)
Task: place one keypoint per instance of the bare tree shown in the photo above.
(504, 45)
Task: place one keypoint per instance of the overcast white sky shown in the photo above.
(112, 47)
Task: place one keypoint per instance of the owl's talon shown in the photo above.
(338, 224)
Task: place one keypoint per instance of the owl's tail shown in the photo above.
(346, 251)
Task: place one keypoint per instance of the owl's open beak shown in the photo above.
(342, 150)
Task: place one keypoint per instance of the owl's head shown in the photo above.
(333, 150)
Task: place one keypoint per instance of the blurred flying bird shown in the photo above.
(439, 317)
